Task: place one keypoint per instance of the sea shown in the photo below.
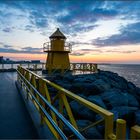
(130, 72)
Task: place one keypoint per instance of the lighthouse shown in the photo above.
(58, 52)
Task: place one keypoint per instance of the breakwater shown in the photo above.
(106, 89)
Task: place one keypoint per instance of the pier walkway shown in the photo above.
(15, 122)
(37, 117)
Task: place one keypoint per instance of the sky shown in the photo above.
(99, 31)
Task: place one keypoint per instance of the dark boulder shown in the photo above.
(90, 89)
(137, 117)
(81, 112)
(85, 88)
(69, 78)
(132, 101)
(137, 94)
(78, 80)
(108, 74)
(131, 86)
(101, 85)
(77, 87)
(92, 133)
(96, 100)
(113, 99)
(115, 80)
(83, 123)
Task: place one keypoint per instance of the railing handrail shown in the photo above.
(73, 96)
(108, 116)
(53, 109)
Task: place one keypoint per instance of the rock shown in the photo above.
(137, 117)
(81, 112)
(92, 133)
(113, 99)
(132, 101)
(101, 85)
(96, 100)
(131, 86)
(137, 94)
(115, 80)
(85, 88)
(67, 86)
(78, 80)
(69, 78)
(83, 123)
(77, 88)
(126, 113)
(117, 98)
(105, 89)
(90, 89)
(108, 74)
(115, 84)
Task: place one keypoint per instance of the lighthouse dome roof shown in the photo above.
(57, 34)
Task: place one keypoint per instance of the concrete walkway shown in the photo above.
(15, 122)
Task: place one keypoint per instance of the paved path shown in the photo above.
(15, 122)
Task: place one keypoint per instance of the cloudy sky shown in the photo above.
(100, 31)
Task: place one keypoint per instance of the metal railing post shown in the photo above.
(109, 127)
(135, 132)
(11, 66)
(120, 129)
(28, 65)
(2, 66)
(96, 68)
(41, 90)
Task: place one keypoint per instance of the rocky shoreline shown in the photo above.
(106, 89)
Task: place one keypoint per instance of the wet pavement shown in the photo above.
(15, 121)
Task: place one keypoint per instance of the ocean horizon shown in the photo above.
(130, 72)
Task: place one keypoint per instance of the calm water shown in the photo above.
(130, 72)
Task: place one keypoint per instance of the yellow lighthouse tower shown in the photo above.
(58, 52)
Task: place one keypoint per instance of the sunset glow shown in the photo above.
(100, 31)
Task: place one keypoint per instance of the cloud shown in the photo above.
(118, 51)
(77, 54)
(7, 46)
(38, 19)
(81, 52)
(73, 17)
(129, 35)
(7, 30)
(29, 28)
(10, 49)
(30, 49)
(87, 11)
(74, 14)
(79, 43)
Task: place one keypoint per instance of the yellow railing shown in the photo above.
(63, 97)
(83, 67)
(31, 66)
(135, 132)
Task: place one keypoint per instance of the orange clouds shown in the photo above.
(101, 58)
